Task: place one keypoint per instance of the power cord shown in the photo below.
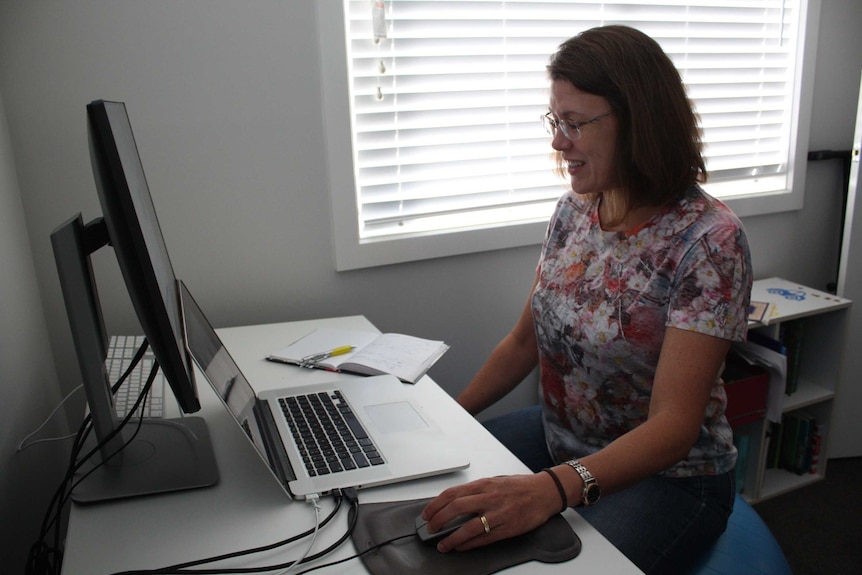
(24, 445)
(349, 494)
(360, 554)
(313, 499)
(353, 516)
(184, 568)
(47, 558)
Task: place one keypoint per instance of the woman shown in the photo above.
(643, 283)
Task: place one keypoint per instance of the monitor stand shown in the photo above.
(166, 455)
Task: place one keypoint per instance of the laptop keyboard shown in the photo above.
(329, 435)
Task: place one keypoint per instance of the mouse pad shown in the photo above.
(553, 542)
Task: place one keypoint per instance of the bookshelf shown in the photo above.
(814, 364)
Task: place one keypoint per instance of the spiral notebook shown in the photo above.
(406, 357)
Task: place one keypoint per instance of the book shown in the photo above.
(406, 357)
(760, 312)
(799, 442)
(776, 364)
(803, 442)
(768, 342)
(775, 438)
(817, 448)
(791, 336)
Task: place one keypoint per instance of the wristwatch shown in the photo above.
(592, 492)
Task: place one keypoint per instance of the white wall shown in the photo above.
(224, 100)
(28, 380)
(229, 129)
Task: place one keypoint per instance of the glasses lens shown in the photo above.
(549, 124)
(570, 131)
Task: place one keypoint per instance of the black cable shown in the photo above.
(41, 554)
(181, 569)
(61, 497)
(47, 560)
(352, 516)
(44, 559)
(145, 392)
(360, 554)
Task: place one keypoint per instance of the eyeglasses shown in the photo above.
(571, 130)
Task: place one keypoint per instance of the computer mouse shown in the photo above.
(427, 537)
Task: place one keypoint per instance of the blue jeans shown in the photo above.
(663, 525)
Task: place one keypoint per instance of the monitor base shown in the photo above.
(166, 455)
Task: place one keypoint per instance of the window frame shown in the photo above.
(352, 252)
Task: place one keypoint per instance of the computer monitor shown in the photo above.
(159, 455)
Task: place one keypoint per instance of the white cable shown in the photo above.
(313, 499)
(22, 446)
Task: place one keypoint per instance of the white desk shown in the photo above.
(247, 509)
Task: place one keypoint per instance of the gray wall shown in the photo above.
(224, 100)
(28, 379)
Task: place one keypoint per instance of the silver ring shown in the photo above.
(485, 524)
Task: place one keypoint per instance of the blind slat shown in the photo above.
(445, 108)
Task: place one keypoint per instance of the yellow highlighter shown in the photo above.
(340, 350)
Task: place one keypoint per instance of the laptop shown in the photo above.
(384, 435)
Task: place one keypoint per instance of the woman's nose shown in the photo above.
(560, 141)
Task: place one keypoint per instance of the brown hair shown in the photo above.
(659, 151)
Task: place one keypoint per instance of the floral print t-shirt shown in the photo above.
(601, 307)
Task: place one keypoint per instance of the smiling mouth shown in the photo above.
(574, 164)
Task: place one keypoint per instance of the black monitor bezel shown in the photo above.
(136, 236)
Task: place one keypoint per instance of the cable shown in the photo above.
(135, 360)
(145, 392)
(313, 499)
(22, 446)
(45, 559)
(360, 554)
(40, 560)
(353, 516)
(181, 568)
(354, 511)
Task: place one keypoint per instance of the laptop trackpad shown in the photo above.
(395, 417)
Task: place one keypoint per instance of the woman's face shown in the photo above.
(589, 161)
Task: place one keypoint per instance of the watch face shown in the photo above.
(592, 494)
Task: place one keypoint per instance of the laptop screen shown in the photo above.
(220, 369)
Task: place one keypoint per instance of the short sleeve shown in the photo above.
(713, 283)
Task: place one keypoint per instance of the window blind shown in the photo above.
(446, 97)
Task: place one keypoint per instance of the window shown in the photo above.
(431, 110)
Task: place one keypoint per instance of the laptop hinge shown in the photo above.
(273, 445)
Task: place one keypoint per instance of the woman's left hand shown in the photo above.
(512, 505)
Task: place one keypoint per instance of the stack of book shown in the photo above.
(795, 443)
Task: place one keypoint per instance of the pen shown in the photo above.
(310, 360)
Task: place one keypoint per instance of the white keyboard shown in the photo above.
(121, 350)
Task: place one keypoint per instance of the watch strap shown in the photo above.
(591, 492)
